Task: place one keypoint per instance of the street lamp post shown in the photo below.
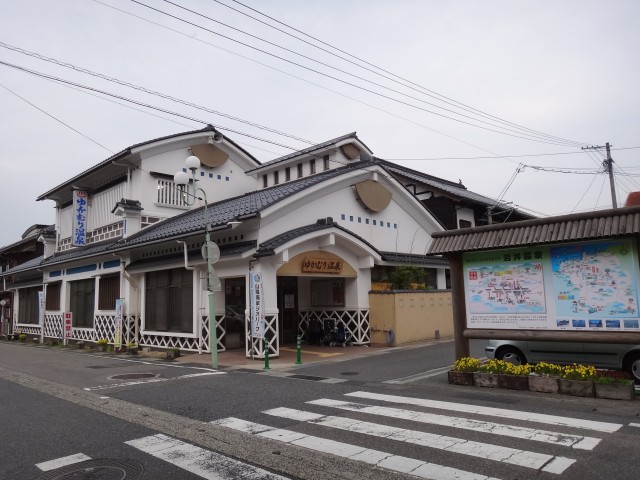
(211, 251)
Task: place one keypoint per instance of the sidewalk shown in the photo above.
(236, 359)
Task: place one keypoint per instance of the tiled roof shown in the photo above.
(455, 189)
(221, 213)
(308, 150)
(127, 151)
(566, 228)
(415, 259)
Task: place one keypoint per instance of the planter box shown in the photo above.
(543, 384)
(513, 382)
(578, 388)
(615, 391)
(482, 379)
(460, 378)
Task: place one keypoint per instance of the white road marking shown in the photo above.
(152, 380)
(155, 364)
(204, 463)
(575, 441)
(62, 462)
(634, 424)
(496, 412)
(509, 455)
(380, 459)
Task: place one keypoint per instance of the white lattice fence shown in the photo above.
(105, 327)
(129, 329)
(53, 325)
(270, 333)
(86, 334)
(28, 329)
(184, 343)
(355, 321)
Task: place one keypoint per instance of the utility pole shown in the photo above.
(608, 164)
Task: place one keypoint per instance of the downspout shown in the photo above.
(186, 266)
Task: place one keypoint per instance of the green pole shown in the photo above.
(213, 330)
(299, 351)
(266, 353)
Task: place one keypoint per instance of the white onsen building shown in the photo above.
(317, 224)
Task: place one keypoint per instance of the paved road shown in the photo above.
(389, 421)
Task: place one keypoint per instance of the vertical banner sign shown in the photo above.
(257, 305)
(80, 208)
(67, 325)
(117, 337)
(41, 308)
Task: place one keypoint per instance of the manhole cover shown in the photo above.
(132, 376)
(349, 373)
(102, 468)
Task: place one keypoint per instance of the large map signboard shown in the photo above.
(584, 286)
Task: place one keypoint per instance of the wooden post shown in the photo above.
(458, 305)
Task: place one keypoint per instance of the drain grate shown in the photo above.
(132, 376)
(102, 468)
(308, 377)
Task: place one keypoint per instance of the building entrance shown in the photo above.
(288, 308)
(235, 305)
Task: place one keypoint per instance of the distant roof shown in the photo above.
(566, 228)
(447, 186)
(127, 151)
(311, 149)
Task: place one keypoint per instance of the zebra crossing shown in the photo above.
(379, 423)
(345, 426)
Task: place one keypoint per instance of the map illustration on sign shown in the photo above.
(506, 288)
(594, 281)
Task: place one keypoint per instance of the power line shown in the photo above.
(56, 119)
(146, 90)
(580, 152)
(137, 102)
(423, 90)
(354, 85)
(536, 135)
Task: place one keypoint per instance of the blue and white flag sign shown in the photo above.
(80, 210)
(117, 337)
(257, 305)
(41, 307)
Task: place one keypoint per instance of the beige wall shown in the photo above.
(413, 316)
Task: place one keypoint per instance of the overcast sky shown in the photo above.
(563, 74)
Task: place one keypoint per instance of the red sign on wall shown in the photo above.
(68, 316)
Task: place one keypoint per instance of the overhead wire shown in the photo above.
(359, 87)
(56, 119)
(137, 102)
(146, 90)
(536, 135)
(271, 67)
(423, 90)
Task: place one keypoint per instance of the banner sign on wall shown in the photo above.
(582, 286)
(80, 209)
(257, 305)
(41, 308)
(117, 336)
(68, 317)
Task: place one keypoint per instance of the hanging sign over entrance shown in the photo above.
(321, 265)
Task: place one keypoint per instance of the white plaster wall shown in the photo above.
(232, 181)
(66, 222)
(465, 214)
(408, 237)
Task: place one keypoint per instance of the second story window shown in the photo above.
(312, 166)
(265, 182)
(276, 178)
(287, 174)
(325, 161)
(299, 170)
